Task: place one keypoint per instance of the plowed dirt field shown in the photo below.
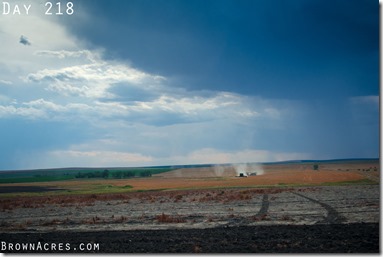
(284, 210)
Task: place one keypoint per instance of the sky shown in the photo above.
(176, 82)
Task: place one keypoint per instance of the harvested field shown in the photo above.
(210, 217)
(209, 214)
(193, 209)
(270, 175)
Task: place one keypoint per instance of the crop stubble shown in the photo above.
(320, 207)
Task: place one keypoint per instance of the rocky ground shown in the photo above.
(295, 220)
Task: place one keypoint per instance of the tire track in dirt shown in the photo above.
(265, 206)
(333, 217)
(236, 221)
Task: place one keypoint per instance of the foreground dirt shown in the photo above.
(335, 238)
(320, 219)
(207, 208)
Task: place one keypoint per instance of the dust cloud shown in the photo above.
(248, 169)
(244, 168)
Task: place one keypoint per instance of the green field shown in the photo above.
(48, 175)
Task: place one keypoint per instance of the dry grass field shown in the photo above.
(219, 177)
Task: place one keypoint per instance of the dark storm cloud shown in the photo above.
(250, 47)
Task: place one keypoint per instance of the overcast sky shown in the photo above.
(165, 82)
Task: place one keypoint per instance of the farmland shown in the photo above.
(219, 176)
(48, 175)
(291, 198)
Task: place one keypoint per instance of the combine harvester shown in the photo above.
(245, 175)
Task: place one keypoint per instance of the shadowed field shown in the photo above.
(350, 238)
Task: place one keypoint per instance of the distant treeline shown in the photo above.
(114, 174)
(78, 173)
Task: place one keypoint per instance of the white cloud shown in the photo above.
(26, 112)
(214, 156)
(106, 158)
(92, 78)
(114, 158)
(5, 82)
(196, 108)
(45, 34)
(41, 109)
(17, 60)
(164, 110)
(61, 54)
(73, 158)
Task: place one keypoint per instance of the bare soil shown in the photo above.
(300, 219)
(339, 238)
(238, 216)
